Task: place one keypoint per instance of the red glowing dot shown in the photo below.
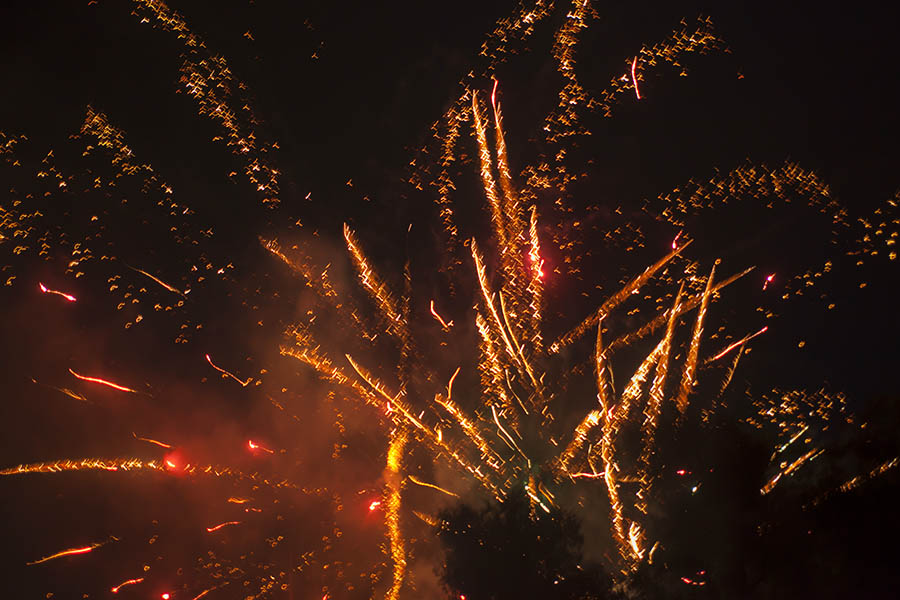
(165, 596)
(374, 504)
(680, 472)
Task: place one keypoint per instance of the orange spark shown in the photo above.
(675, 241)
(741, 341)
(768, 281)
(151, 441)
(634, 78)
(444, 325)
(228, 374)
(159, 281)
(46, 290)
(115, 386)
(588, 475)
(221, 525)
(115, 590)
(234, 500)
(165, 596)
(432, 486)
(69, 552)
(374, 504)
(254, 446)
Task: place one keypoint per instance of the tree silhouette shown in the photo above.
(501, 552)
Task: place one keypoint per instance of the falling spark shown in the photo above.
(444, 324)
(740, 342)
(374, 504)
(151, 441)
(634, 81)
(115, 590)
(228, 374)
(159, 281)
(432, 486)
(675, 241)
(255, 446)
(69, 552)
(46, 290)
(115, 386)
(221, 525)
(768, 281)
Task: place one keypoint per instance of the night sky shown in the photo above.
(343, 98)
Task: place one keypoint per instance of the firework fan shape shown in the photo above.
(565, 411)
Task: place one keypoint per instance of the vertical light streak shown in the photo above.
(637, 92)
(690, 364)
(392, 514)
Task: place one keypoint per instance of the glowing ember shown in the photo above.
(115, 590)
(115, 386)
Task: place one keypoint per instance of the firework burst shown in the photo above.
(492, 377)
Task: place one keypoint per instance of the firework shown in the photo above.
(504, 421)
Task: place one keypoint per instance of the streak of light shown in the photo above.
(66, 391)
(690, 363)
(374, 504)
(115, 386)
(782, 447)
(69, 552)
(587, 475)
(634, 78)
(235, 500)
(675, 241)
(115, 590)
(426, 518)
(444, 324)
(255, 446)
(151, 441)
(221, 525)
(740, 342)
(768, 281)
(46, 290)
(450, 384)
(392, 514)
(157, 280)
(228, 374)
(432, 486)
(811, 455)
(208, 590)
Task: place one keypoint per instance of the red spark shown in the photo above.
(115, 590)
(221, 525)
(374, 504)
(165, 596)
(680, 472)
(115, 386)
(675, 241)
(634, 78)
(768, 281)
(47, 290)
